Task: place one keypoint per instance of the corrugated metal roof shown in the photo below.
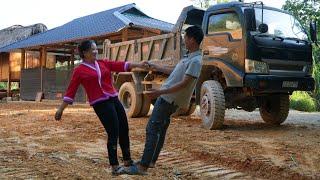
(93, 25)
(17, 33)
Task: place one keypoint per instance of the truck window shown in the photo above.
(285, 25)
(225, 23)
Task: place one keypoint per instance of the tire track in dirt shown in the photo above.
(15, 151)
(183, 164)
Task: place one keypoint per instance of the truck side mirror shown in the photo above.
(313, 31)
(250, 19)
(263, 28)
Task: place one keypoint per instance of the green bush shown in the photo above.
(3, 85)
(302, 101)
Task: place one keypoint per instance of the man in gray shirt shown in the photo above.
(175, 93)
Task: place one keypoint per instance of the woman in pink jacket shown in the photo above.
(95, 76)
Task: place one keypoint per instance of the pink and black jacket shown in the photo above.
(96, 78)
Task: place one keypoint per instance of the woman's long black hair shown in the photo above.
(84, 46)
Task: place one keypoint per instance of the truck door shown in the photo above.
(224, 42)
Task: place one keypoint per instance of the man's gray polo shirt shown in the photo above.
(191, 65)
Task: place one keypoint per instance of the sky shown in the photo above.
(55, 13)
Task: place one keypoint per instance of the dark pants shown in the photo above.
(156, 130)
(113, 118)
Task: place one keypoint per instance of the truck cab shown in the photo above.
(253, 57)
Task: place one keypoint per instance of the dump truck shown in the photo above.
(253, 56)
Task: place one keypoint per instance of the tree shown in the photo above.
(306, 11)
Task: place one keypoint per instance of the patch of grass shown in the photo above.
(302, 101)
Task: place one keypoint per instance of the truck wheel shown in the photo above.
(275, 109)
(130, 99)
(146, 102)
(212, 105)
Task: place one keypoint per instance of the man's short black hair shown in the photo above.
(195, 32)
(84, 46)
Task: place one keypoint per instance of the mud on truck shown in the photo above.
(253, 56)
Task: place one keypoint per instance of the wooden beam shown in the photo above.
(142, 31)
(116, 53)
(150, 49)
(150, 32)
(127, 51)
(106, 48)
(61, 46)
(115, 38)
(163, 47)
(124, 35)
(139, 51)
(59, 52)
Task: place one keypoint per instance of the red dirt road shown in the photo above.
(34, 146)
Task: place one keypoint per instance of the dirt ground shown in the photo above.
(34, 146)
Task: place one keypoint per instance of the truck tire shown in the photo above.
(130, 99)
(145, 107)
(275, 109)
(212, 105)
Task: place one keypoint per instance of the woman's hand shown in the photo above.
(153, 67)
(144, 65)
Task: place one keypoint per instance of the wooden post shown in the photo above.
(69, 63)
(22, 65)
(23, 59)
(106, 48)
(72, 59)
(9, 77)
(1, 66)
(43, 58)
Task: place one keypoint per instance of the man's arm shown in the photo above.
(142, 65)
(163, 69)
(180, 85)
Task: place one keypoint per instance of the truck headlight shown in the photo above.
(252, 66)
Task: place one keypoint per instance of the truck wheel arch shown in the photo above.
(212, 68)
(120, 78)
